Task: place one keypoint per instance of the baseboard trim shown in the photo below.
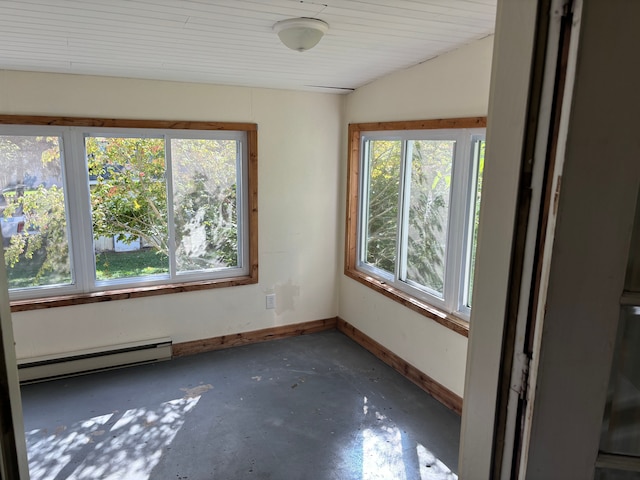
(255, 336)
(422, 380)
(429, 385)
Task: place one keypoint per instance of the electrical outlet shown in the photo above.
(271, 300)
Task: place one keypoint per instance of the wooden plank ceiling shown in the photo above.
(231, 42)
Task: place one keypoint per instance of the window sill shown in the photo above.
(125, 293)
(447, 320)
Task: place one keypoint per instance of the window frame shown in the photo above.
(440, 311)
(87, 290)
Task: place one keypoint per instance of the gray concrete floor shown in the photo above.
(311, 407)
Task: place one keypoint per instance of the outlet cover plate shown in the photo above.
(271, 301)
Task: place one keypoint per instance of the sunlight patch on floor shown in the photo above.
(431, 468)
(384, 456)
(112, 446)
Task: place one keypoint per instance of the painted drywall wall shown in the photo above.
(299, 146)
(452, 85)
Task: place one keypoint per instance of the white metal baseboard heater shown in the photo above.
(95, 359)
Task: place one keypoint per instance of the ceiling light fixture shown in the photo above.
(301, 33)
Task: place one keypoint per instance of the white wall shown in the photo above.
(299, 147)
(452, 85)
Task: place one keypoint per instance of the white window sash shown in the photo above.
(78, 208)
(460, 221)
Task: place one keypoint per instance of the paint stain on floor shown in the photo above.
(196, 391)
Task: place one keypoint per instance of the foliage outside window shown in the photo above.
(413, 207)
(89, 209)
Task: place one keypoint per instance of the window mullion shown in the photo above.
(456, 241)
(403, 210)
(474, 158)
(79, 208)
(363, 208)
(170, 213)
(242, 171)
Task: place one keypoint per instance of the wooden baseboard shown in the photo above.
(255, 336)
(429, 385)
(433, 388)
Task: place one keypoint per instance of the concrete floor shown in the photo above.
(312, 407)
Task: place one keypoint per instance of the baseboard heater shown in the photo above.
(95, 359)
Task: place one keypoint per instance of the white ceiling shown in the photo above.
(231, 42)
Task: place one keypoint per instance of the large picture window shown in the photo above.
(414, 195)
(143, 209)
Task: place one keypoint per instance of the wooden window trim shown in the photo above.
(448, 320)
(124, 123)
(251, 129)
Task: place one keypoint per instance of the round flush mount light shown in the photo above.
(301, 33)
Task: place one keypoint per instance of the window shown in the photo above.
(134, 206)
(413, 206)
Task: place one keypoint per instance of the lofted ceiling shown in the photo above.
(231, 42)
